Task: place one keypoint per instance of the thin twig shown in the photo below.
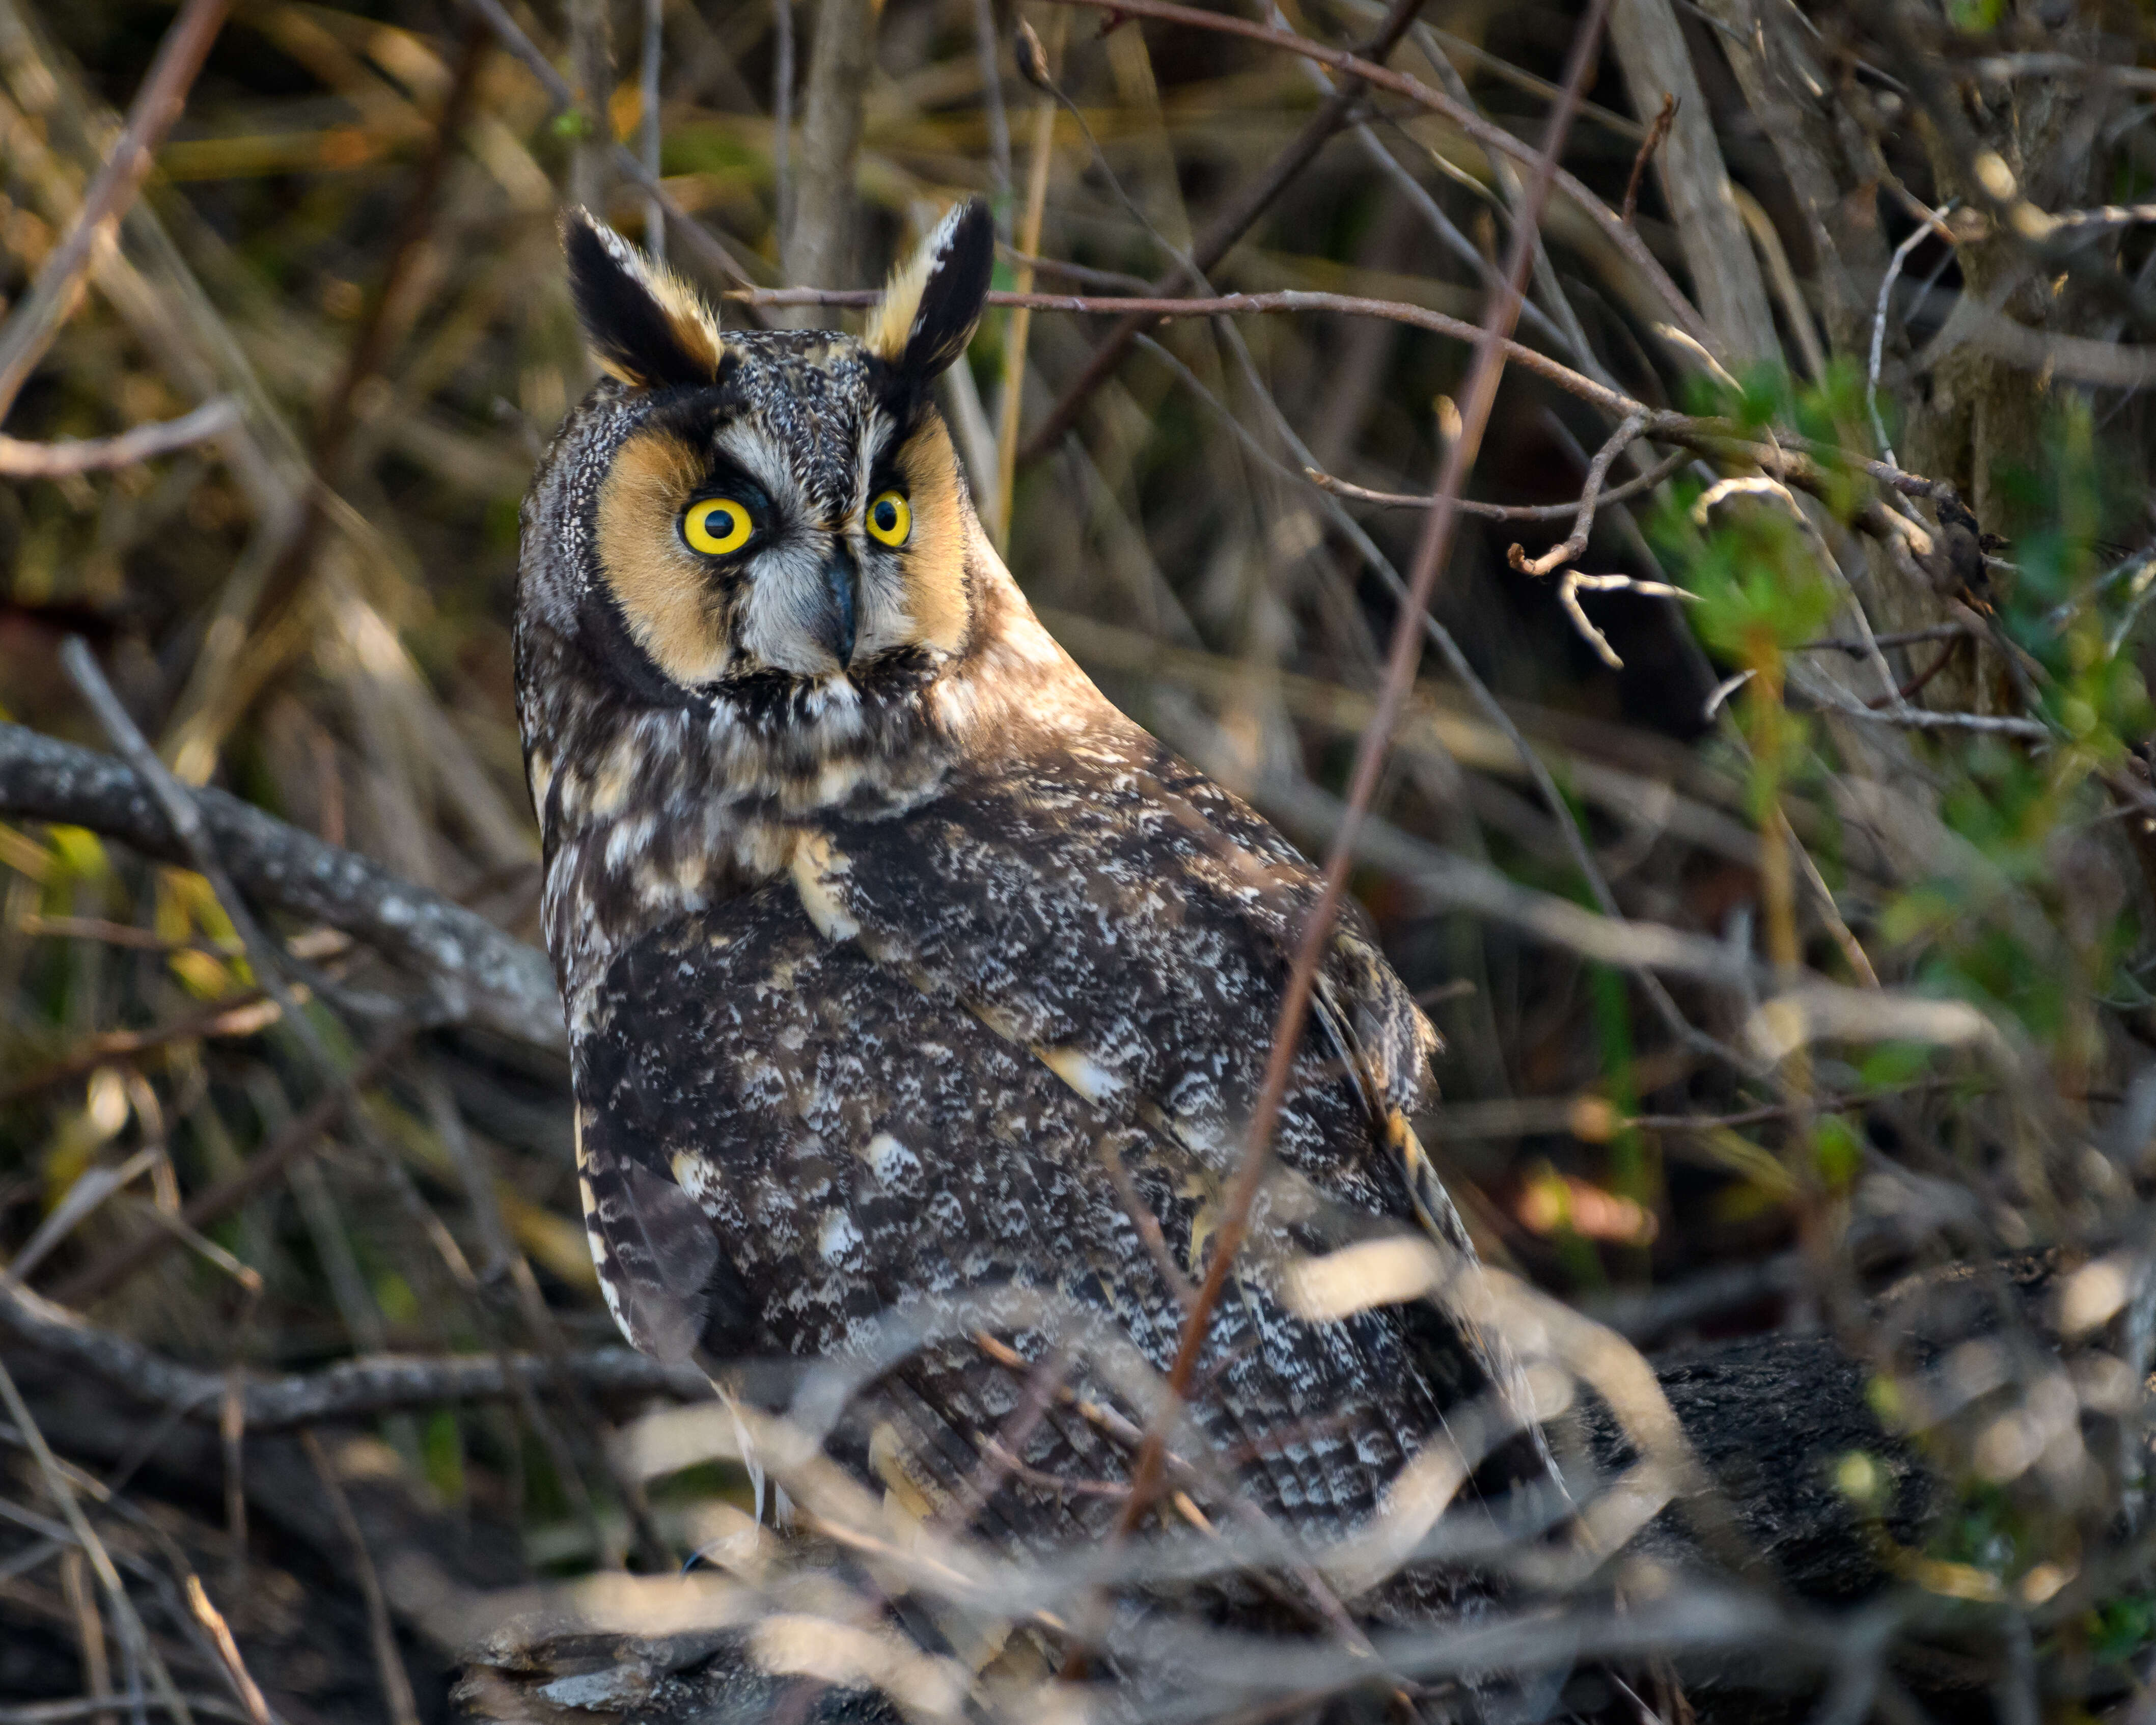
(1573, 583)
(1480, 397)
(37, 318)
(988, 49)
(1001, 1453)
(1590, 496)
(245, 1013)
(76, 1586)
(1484, 133)
(21, 460)
(1916, 237)
(388, 1662)
(227, 1652)
(1236, 220)
(1657, 129)
(178, 803)
(1904, 638)
(1503, 511)
(133, 1636)
(1921, 719)
(236, 1187)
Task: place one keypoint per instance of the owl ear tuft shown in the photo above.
(927, 313)
(645, 325)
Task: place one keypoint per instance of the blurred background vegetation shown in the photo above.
(1908, 234)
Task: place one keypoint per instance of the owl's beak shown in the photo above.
(835, 627)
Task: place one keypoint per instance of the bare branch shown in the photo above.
(1657, 131)
(1480, 397)
(22, 460)
(1485, 133)
(38, 318)
(1574, 583)
(1911, 718)
(1590, 495)
(355, 1389)
(1503, 511)
(1894, 264)
(389, 1663)
(480, 972)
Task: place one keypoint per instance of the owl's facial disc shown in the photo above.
(779, 503)
(723, 566)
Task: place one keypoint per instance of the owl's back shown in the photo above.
(869, 1131)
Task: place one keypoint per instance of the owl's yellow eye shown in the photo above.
(891, 518)
(716, 526)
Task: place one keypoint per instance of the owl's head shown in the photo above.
(752, 516)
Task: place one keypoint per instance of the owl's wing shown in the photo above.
(867, 1153)
(658, 1263)
(1131, 926)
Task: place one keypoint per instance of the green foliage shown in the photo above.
(1837, 1152)
(2120, 1628)
(1889, 1065)
(1763, 589)
(1985, 1532)
(442, 1455)
(1759, 588)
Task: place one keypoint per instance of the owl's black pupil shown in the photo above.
(886, 514)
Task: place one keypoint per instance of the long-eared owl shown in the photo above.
(903, 972)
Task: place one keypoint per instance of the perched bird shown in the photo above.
(904, 975)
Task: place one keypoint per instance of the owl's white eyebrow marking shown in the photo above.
(763, 459)
(874, 436)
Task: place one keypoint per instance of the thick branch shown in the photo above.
(483, 974)
(1650, 46)
(819, 237)
(354, 1389)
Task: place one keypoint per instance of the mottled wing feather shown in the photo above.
(861, 1148)
(656, 1257)
(1132, 926)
